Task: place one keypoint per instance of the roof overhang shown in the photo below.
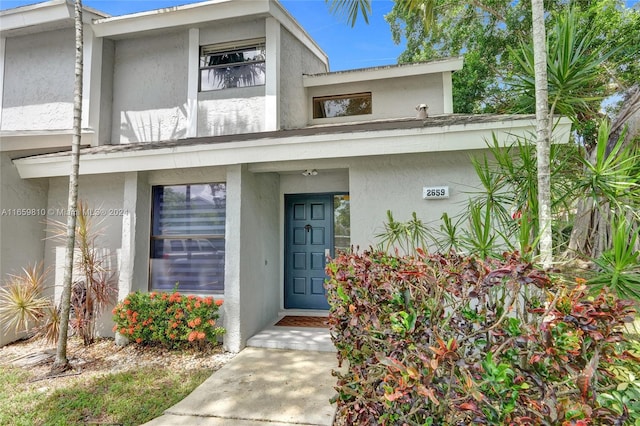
(289, 146)
(41, 139)
(379, 73)
(39, 17)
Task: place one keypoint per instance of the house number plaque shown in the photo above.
(435, 192)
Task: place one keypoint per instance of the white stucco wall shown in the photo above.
(104, 192)
(390, 98)
(395, 183)
(324, 181)
(252, 283)
(295, 60)
(150, 88)
(38, 85)
(21, 236)
(231, 111)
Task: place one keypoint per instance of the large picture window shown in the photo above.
(227, 66)
(187, 241)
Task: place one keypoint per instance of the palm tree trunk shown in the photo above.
(542, 132)
(61, 362)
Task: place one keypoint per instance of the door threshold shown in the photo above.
(303, 312)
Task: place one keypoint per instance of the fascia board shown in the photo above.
(379, 73)
(178, 16)
(325, 146)
(39, 14)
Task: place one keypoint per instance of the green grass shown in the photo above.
(127, 398)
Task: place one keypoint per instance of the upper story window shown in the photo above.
(223, 66)
(342, 105)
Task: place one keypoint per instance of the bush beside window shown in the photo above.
(169, 319)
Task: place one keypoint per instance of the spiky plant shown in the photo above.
(22, 303)
(94, 289)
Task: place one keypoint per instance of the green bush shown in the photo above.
(170, 319)
(452, 340)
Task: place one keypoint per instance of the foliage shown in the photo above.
(502, 213)
(456, 340)
(576, 78)
(625, 397)
(94, 290)
(619, 267)
(404, 235)
(611, 178)
(170, 319)
(107, 399)
(22, 302)
(483, 31)
(24, 307)
(350, 9)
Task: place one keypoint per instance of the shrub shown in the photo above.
(457, 341)
(170, 319)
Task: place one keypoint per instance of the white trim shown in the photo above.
(193, 76)
(379, 73)
(91, 81)
(447, 88)
(272, 86)
(319, 146)
(189, 15)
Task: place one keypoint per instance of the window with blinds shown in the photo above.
(223, 66)
(188, 237)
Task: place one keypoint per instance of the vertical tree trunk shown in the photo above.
(542, 132)
(61, 362)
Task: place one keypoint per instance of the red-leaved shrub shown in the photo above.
(452, 340)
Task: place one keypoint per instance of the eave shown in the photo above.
(384, 72)
(384, 138)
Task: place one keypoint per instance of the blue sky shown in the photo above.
(359, 47)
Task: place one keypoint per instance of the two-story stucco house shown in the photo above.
(223, 153)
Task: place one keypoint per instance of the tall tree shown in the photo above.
(61, 363)
(543, 139)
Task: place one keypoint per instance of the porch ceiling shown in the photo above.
(436, 134)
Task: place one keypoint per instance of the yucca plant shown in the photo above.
(22, 302)
(619, 267)
(93, 289)
(407, 236)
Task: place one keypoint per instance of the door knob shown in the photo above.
(308, 227)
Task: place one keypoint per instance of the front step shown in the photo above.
(296, 338)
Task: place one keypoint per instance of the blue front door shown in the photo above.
(308, 240)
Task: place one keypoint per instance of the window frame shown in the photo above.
(195, 238)
(228, 48)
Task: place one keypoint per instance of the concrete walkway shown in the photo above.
(269, 387)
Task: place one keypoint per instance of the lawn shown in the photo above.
(110, 385)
